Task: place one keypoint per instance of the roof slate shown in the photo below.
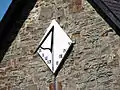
(110, 11)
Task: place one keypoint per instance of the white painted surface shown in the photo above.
(61, 43)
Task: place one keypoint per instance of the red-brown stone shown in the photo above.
(76, 6)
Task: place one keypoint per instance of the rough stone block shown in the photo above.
(60, 13)
(31, 87)
(76, 6)
(46, 13)
(3, 88)
(16, 88)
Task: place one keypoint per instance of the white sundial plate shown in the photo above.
(54, 45)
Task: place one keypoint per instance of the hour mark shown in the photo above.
(60, 56)
(42, 54)
(46, 58)
(57, 62)
(64, 50)
(69, 43)
(49, 61)
(39, 50)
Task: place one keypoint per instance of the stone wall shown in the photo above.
(93, 64)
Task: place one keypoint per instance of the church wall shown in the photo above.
(93, 63)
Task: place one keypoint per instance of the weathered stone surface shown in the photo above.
(46, 13)
(15, 88)
(76, 5)
(3, 88)
(93, 63)
(31, 87)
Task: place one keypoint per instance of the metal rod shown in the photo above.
(55, 86)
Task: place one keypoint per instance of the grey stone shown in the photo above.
(43, 88)
(16, 88)
(60, 13)
(46, 13)
(93, 63)
(31, 87)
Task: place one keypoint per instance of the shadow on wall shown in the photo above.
(12, 21)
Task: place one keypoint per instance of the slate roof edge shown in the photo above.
(11, 15)
(12, 21)
(106, 14)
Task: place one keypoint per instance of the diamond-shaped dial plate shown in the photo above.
(54, 45)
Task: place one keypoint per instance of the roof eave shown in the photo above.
(106, 14)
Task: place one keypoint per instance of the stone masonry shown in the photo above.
(93, 64)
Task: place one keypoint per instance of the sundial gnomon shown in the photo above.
(54, 46)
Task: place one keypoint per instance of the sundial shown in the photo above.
(54, 46)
